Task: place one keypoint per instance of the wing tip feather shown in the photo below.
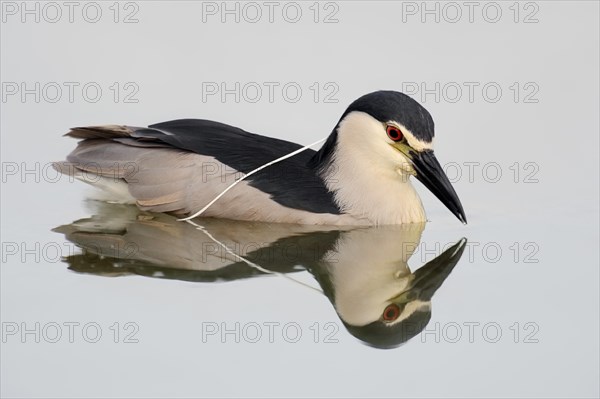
(99, 132)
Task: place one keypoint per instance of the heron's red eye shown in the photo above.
(394, 133)
(391, 312)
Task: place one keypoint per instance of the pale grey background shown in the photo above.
(170, 52)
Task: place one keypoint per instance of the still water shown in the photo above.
(158, 306)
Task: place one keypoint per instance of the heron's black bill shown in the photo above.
(430, 173)
(430, 277)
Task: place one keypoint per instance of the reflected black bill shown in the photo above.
(430, 173)
(431, 276)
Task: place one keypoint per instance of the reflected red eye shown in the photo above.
(394, 133)
(391, 312)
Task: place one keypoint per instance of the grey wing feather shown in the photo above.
(159, 179)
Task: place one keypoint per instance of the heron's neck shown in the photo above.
(368, 187)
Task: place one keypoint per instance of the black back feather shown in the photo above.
(292, 182)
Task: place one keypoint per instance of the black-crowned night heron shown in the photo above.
(360, 176)
(364, 274)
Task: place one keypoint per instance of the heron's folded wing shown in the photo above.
(168, 150)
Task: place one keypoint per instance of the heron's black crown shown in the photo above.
(386, 105)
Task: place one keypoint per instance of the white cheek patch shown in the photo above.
(414, 142)
(368, 172)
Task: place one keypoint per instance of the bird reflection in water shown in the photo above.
(363, 271)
